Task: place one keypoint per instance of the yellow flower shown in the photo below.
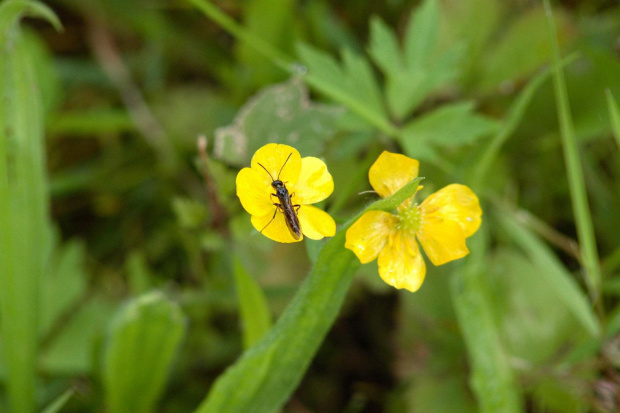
(305, 181)
(441, 224)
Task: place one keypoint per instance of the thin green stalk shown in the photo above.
(579, 200)
(510, 123)
(289, 65)
(614, 115)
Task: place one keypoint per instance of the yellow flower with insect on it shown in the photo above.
(277, 191)
(440, 223)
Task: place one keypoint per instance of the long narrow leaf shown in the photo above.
(491, 378)
(510, 123)
(141, 345)
(253, 308)
(574, 171)
(614, 115)
(24, 227)
(559, 280)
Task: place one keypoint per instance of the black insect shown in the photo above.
(286, 205)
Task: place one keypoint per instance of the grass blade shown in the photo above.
(510, 123)
(574, 171)
(559, 280)
(253, 308)
(491, 379)
(60, 401)
(614, 115)
(24, 226)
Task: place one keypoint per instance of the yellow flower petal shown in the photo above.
(253, 193)
(276, 230)
(273, 157)
(316, 223)
(314, 184)
(400, 263)
(457, 203)
(369, 234)
(443, 240)
(392, 171)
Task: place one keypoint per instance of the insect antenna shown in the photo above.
(289, 155)
(268, 171)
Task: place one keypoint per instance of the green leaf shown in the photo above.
(522, 49)
(142, 342)
(139, 277)
(272, 21)
(553, 272)
(446, 127)
(281, 114)
(534, 327)
(353, 85)
(411, 74)
(59, 403)
(63, 285)
(614, 116)
(91, 122)
(384, 47)
(72, 350)
(574, 169)
(492, 378)
(421, 35)
(12, 11)
(254, 311)
(472, 22)
(267, 373)
(24, 225)
(189, 212)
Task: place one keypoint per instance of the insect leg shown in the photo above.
(272, 218)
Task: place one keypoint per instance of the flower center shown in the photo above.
(410, 217)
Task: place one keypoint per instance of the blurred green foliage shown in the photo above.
(131, 278)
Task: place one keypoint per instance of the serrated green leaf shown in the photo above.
(447, 127)
(142, 342)
(283, 114)
(352, 85)
(614, 116)
(253, 308)
(472, 22)
(354, 78)
(412, 73)
(558, 279)
(361, 79)
(421, 35)
(384, 48)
